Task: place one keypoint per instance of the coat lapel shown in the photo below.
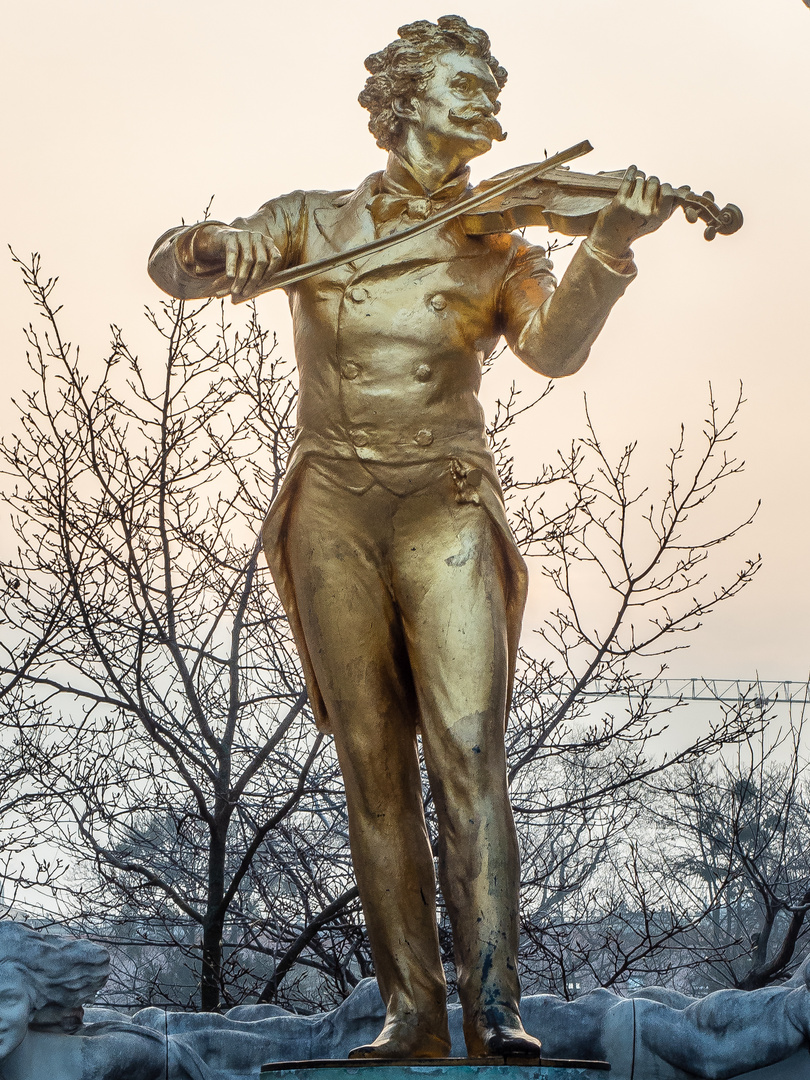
(347, 223)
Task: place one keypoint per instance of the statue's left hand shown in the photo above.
(641, 205)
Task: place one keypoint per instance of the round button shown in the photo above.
(358, 294)
(350, 371)
(359, 437)
(438, 302)
(423, 373)
(423, 437)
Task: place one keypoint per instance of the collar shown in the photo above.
(399, 179)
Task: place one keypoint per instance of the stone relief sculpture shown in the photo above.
(388, 541)
(44, 981)
(656, 1034)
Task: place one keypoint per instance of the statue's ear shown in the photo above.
(405, 108)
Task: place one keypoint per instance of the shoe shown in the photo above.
(405, 1038)
(499, 1033)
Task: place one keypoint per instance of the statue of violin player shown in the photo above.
(388, 541)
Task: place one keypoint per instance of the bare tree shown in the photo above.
(149, 682)
(741, 823)
(630, 570)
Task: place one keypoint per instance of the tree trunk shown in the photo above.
(210, 979)
(213, 927)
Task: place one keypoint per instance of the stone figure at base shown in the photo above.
(656, 1034)
(45, 980)
(388, 541)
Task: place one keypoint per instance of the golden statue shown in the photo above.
(388, 541)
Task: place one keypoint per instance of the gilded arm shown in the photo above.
(214, 259)
(552, 327)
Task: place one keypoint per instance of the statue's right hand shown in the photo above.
(249, 256)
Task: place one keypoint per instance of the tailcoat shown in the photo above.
(390, 348)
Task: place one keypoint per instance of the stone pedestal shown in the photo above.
(437, 1069)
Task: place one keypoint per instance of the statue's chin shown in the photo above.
(10, 1040)
(14, 1063)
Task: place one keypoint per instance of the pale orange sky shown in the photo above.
(121, 118)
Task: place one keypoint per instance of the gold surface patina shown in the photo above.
(388, 541)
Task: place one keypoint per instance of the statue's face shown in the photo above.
(456, 110)
(15, 1009)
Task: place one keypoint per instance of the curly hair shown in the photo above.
(402, 69)
(60, 974)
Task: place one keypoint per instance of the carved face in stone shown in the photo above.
(15, 1008)
(457, 106)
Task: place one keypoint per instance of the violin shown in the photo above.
(569, 202)
(543, 193)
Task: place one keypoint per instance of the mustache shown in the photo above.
(475, 118)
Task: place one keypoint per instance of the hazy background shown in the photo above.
(120, 119)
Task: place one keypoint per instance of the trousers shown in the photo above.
(401, 600)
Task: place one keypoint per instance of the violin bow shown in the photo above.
(465, 206)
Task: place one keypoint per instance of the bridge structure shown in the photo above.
(757, 692)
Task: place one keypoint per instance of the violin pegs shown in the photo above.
(710, 232)
(708, 195)
(691, 214)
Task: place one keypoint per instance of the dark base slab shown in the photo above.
(438, 1069)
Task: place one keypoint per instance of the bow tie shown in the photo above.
(390, 207)
(386, 208)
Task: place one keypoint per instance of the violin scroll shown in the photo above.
(704, 208)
